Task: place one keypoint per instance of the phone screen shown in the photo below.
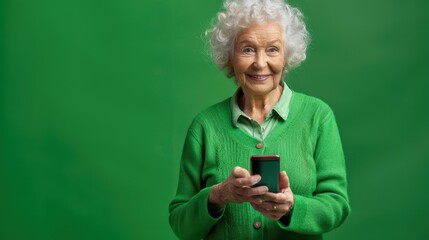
(268, 167)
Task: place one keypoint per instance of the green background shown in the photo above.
(96, 97)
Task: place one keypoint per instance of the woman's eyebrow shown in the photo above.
(247, 41)
(277, 41)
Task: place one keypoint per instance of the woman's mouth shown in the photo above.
(258, 77)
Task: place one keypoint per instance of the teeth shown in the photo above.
(259, 77)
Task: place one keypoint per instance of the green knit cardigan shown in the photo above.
(310, 152)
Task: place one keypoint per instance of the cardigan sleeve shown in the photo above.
(328, 207)
(189, 213)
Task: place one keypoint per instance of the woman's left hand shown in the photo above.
(276, 205)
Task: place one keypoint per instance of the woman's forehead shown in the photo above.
(258, 33)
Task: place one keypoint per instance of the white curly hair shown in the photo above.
(239, 14)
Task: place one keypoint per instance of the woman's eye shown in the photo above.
(273, 49)
(248, 50)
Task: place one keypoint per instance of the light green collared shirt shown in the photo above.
(252, 127)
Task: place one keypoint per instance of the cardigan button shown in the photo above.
(260, 145)
(257, 225)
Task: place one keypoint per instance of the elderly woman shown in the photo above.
(257, 42)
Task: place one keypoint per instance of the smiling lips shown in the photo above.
(259, 77)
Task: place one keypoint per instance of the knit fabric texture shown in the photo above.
(310, 150)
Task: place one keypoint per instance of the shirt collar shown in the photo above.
(281, 107)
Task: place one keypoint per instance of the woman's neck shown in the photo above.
(257, 107)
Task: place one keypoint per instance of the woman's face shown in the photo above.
(258, 58)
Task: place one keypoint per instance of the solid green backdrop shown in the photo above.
(96, 97)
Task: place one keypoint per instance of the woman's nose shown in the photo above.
(260, 61)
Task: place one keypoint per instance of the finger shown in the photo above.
(275, 197)
(256, 200)
(246, 181)
(260, 208)
(268, 206)
(284, 180)
(275, 207)
(268, 213)
(239, 172)
(249, 192)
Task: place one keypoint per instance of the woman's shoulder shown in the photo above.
(309, 100)
(213, 115)
(310, 105)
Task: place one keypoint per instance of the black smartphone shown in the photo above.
(268, 167)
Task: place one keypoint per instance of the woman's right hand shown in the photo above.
(237, 188)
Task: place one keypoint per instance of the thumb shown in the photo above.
(283, 180)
